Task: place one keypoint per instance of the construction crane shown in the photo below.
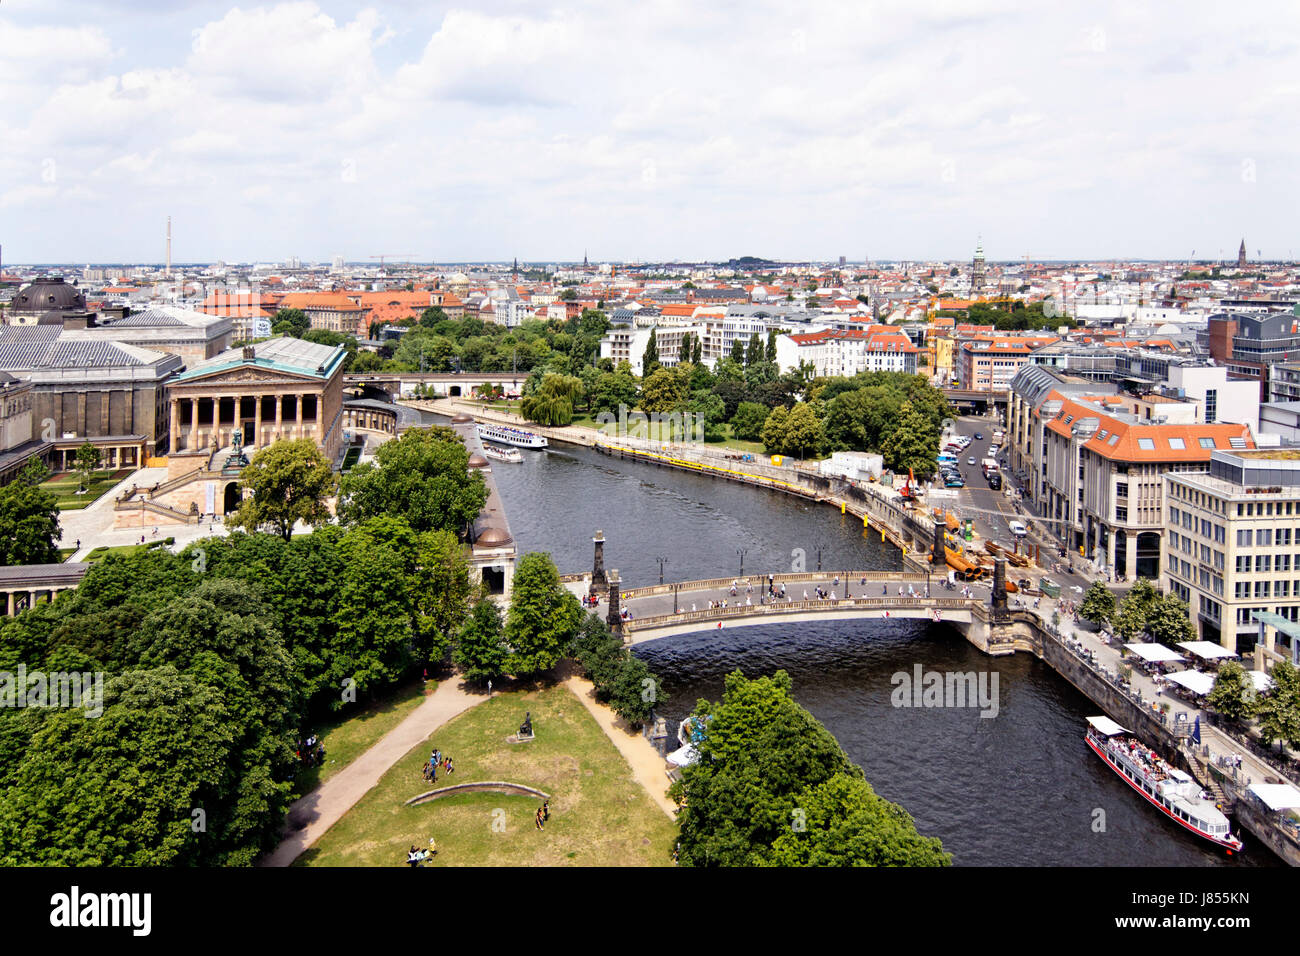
(389, 255)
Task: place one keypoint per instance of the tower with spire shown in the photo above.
(977, 268)
(585, 265)
(1241, 255)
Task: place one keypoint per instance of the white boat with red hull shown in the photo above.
(1170, 790)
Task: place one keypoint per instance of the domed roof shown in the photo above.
(459, 278)
(48, 294)
(460, 418)
(1169, 329)
(477, 461)
(494, 538)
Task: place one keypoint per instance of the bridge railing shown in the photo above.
(938, 605)
(850, 577)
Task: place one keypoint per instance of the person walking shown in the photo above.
(540, 820)
(546, 810)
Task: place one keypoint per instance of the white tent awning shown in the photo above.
(1198, 682)
(1155, 653)
(1276, 796)
(1206, 649)
(1262, 681)
(1106, 727)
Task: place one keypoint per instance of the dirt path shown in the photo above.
(647, 766)
(316, 812)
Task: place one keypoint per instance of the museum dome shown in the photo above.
(477, 461)
(494, 538)
(48, 294)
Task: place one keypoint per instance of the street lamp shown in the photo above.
(742, 552)
(662, 561)
(819, 548)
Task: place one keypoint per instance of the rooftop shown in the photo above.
(282, 354)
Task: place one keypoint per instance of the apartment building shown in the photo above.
(1094, 465)
(629, 345)
(1232, 542)
(847, 352)
(988, 363)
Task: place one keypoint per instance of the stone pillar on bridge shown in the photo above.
(999, 586)
(614, 619)
(937, 557)
(598, 580)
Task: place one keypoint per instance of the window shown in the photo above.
(1121, 491)
(1284, 536)
(1242, 590)
(1147, 444)
(1243, 564)
(1282, 562)
(1207, 442)
(1282, 588)
(1177, 444)
(1264, 537)
(1121, 513)
(1243, 537)
(1263, 562)
(1261, 589)
(1211, 404)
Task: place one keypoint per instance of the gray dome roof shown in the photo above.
(494, 538)
(48, 294)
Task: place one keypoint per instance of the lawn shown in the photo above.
(64, 486)
(98, 554)
(599, 815)
(351, 732)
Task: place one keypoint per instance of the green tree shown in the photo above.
(1232, 693)
(747, 423)
(663, 391)
(481, 652)
(552, 403)
(1278, 711)
(543, 616)
(771, 346)
(423, 475)
(754, 353)
(845, 823)
(738, 351)
(697, 350)
(1167, 621)
(85, 462)
(291, 322)
(1098, 605)
(762, 761)
(774, 432)
(440, 589)
(287, 481)
(913, 444)
(803, 431)
(29, 522)
(650, 359)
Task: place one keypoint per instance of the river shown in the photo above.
(1019, 788)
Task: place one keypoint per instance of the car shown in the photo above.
(954, 482)
(979, 437)
(995, 481)
(970, 461)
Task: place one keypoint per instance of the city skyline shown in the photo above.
(654, 133)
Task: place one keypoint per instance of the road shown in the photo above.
(992, 510)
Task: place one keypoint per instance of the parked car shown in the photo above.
(979, 437)
(970, 461)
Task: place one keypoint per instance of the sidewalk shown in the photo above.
(315, 812)
(648, 768)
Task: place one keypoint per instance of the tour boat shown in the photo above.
(1170, 790)
(510, 436)
(502, 454)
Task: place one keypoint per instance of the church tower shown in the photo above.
(977, 269)
(1241, 255)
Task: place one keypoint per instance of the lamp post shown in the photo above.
(662, 561)
(819, 548)
(675, 586)
(742, 552)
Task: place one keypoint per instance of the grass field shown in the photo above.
(64, 486)
(98, 554)
(599, 815)
(350, 733)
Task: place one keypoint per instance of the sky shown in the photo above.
(647, 131)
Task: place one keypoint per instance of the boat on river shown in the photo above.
(1171, 791)
(505, 435)
(502, 454)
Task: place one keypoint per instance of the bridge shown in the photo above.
(976, 399)
(439, 384)
(683, 607)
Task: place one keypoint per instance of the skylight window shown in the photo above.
(1207, 442)
(1177, 444)
(1147, 444)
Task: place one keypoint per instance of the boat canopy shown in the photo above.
(1276, 796)
(1206, 649)
(1156, 653)
(1106, 727)
(1198, 682)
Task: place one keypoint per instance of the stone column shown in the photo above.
(1131, 555)
(257, 422)
(614, 620)
(175, 429)
(999, 585)
(298, 399)
(193, 440)
(598, 579)
(279, 414)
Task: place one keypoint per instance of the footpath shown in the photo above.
(314, 813)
